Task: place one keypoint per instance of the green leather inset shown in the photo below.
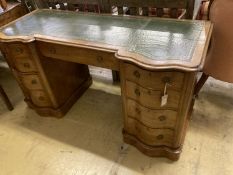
(152, 37)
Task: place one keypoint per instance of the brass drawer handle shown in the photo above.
(162, 118)
(34, 82)
(160, 137)
(138, 111)
(166, 80)
(136, 74)
(18, 50)
(26, 65)
(137, 92)
(100, 58)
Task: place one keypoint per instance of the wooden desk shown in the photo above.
(48, 52)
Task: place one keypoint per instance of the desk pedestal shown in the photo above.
(156, 127)
(52, 78)
(50, 86)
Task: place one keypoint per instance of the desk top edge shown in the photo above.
(28, 38)
(194, 65)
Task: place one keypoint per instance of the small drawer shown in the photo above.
(154, 79)
(31, 82)
(80, 55)
(24, 65)
(18, 50)
(151, 118)
(39, 98)
(151, 98)
(149, 136)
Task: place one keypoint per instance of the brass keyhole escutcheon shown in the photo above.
(149, 92)
(41, 98)
(34, 82)
(166, 80)
(160, 137)
(26, 65)
(136, 74)
(99, 58)
(138, 111)
(18, 50)
(162, 118)
(137, 92)
(4, 54)
(52, 50)
(137, 129)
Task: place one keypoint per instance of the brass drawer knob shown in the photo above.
(137, 92)
(160, 137)
(137, 129)
(162, 118)
(4, 54)
(26, 65)
(99, 58)
(136, 74)
(52, 50)
(138, 111)
(166, 80)
(19, 50)
(34, 82)
(41, 98)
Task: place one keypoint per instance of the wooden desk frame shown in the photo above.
(42, 84)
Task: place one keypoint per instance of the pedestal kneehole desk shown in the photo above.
(158, 59)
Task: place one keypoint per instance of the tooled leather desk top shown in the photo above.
(152, 42)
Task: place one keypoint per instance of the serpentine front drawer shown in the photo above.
(152, 118)
(31, 81)
(151, 98)
(154, 79)
(150, 136)
(19, 50)
(40, 98)
(24, 65)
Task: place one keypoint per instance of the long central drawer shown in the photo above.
(80, 55)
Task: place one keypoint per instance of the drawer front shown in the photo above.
(19, 50)
(151, 98)
(31, 82)
(24, 65)
(149, 136)
(151, 118)
(80, 55)
(40, 98)
(154, 80)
